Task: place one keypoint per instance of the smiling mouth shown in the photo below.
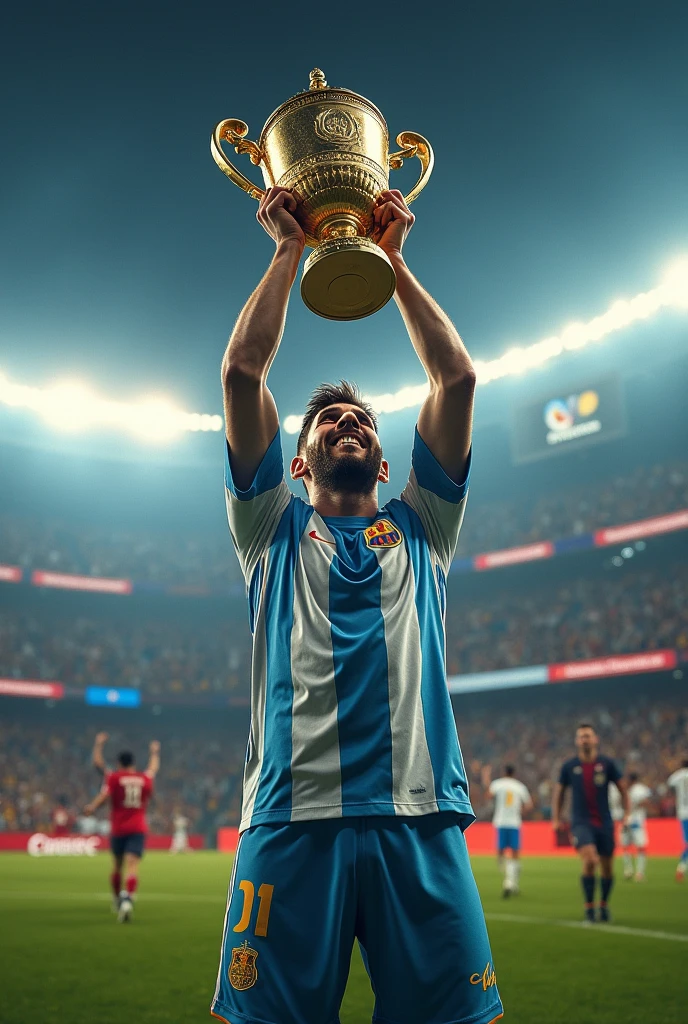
(347, 439)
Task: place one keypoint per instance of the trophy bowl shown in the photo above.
(331, 147)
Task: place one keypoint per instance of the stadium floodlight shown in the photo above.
(72, 405)
(671, 293)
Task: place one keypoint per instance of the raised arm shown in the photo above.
(250, 412)
(153, 766)
(98, 802)
(97, 756)
(446, 417)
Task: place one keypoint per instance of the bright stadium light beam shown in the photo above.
(671, 293)
(74, 406)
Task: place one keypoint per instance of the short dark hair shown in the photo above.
(509, 769)
(632, 776)
(126, 759)
(685, 762)
(332, 394)
(585, 725)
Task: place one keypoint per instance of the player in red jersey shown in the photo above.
(128, 791)
(62, 819)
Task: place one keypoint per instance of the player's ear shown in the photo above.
(298, 468)
(383, 475)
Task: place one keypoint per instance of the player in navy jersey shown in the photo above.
(588, 776)
(355, 796)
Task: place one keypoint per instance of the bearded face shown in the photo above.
(345, 462)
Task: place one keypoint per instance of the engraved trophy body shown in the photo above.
(331, 146)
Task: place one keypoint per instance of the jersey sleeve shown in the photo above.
(525, 795)
(437, 500)
(565, 774)
(613, 771)
(254, 514)
(493, 787)
(675, 778)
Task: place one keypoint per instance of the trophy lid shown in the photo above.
(317, 91)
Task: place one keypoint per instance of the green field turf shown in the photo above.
(66, 961)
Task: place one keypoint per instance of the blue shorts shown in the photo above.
(132, 842)
(301, 893)
(684, 827)
(590, 835)
(508, 839)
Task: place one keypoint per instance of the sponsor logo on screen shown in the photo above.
(572, 417)
(40, 845)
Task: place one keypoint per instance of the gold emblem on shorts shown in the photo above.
(487, 979)
(242, 970)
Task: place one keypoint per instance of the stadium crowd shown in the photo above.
(41, 767)
(628, 612)
(201, 772)
(160, 657)
(208, 562)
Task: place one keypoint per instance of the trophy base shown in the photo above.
(347, 278)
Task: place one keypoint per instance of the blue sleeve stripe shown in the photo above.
(268, 475)
(431, 476)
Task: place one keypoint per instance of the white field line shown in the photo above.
(220, 899)
(614, 929)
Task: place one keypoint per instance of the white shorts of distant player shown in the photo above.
(180, 843)
(634, 835)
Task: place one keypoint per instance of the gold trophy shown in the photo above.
(331, 146)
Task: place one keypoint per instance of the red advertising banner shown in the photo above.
(40, 844)
(11, 574)
(512, 556)
(227, 839)
(616, 665)
(537, 839)
(67, 581)
(29, 688)
(643, 528)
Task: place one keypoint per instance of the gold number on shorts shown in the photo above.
(264, 902)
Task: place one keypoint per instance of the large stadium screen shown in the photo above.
(592, 412)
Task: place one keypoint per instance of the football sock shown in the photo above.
(640, 863)
(115, 882)
(132, 882)
(517, 870)
(628, 863)
(607, 884)
(588, 883)
(511, 872)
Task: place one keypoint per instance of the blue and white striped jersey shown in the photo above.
(350, 712)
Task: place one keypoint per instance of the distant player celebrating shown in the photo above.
(511, 799)
(355, 796)
(634, 832)
(588, 775)
(679, 782)
(128, 791)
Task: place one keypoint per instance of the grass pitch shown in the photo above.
(66, 961)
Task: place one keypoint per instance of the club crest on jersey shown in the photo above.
(242, 969)
(382, 534)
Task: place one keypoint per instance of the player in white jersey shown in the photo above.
(355, 795)
(634, 830)
(679, 782)
(180, 836)
(511, 800)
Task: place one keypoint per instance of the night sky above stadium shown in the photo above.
(560, 181)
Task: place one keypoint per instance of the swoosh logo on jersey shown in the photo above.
(322, 540)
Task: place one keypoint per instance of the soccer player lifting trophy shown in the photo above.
(331, 148)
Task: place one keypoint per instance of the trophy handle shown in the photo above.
(234, 131)
(414, 145)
